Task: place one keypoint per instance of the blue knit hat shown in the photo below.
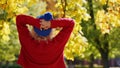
(47, 16)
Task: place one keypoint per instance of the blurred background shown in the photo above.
(94, 42)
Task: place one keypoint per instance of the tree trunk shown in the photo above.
(105, 60)
(105, 52)
(7, 64)
(91, 61)
(70, 64)
(0, 64)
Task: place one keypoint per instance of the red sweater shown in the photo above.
(36, 54)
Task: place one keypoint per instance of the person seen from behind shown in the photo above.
(38, 49)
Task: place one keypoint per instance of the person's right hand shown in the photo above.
(45, 24)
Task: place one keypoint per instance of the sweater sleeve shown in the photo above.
(63, 36)
(23, 32)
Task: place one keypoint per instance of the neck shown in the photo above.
(40, 38)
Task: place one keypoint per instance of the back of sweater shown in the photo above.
(36, 54)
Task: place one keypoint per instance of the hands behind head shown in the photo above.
(45, 24)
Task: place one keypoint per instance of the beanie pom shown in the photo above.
(47, 16)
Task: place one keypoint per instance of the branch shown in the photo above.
(106, 6)
(64, 4)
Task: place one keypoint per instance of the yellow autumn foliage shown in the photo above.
(106, 20)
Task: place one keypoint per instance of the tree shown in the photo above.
(73, 9)
(97, 29)
(99, 26)
(9, 44)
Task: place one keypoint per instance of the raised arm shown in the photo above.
(22, 20)
(23, 32)
(67, 27)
